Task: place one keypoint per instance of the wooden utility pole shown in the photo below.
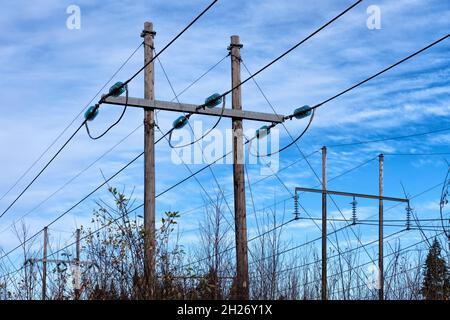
(238, 176)
(149, 162)
(77, 262)
(149, 104)
(77, 265)
(44, 266)
(380, 232)
(324, 224)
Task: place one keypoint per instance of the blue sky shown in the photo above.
(49, 73)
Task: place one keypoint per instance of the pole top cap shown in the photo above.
(148, 30)
(235, 43)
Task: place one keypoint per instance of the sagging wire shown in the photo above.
(182, 121)
(264, 131)
(92, 112)
(210, 102)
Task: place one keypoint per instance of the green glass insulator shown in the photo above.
(117, 89)
(91, 113)
(180, 122)
(302, 112)
(213, 100)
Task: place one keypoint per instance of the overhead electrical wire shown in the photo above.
(304, 209)
(276, 60)
(91, 193)
(251, 77)
(82, 200)
(204, 135)
(114, 124)
(170, 136)
(368, 79)
(353, 86)
(107, 180)
(353, 249)
(293, 48)
(41, 171)
(372, 77)
(116, 145)
(380, 72)
(165, 47)
(365, 81)
(388, 138)
(377, 74)
(188, 115)
(71, 179)
(70, 124)
(95, 109)
(294, 141)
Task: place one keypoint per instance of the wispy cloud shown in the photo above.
(49, 73)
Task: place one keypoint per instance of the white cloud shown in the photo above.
(50, 73)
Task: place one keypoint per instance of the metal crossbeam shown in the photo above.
(192, 108)
(351, 194)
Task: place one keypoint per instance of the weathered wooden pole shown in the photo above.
(77, 264)
(324, 224)
(242, 289)
(380, 231)
(149, 162)
(44, 265)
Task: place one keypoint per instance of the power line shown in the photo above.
(96, 189)
(107, 95)
(285, 53)
(210, 169)
(280, 57)
(418, 154)
(381, 72)
(302, 244)
(82, 200)
(70, 124)
(335, 246)
(386, 256)
(42, 170)
(73, 178)
(112, 148)
(165, 47)
(389, 138)
(296, 46)
(294, 142)
(368, 220)
(352, 249)
(231, 248)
